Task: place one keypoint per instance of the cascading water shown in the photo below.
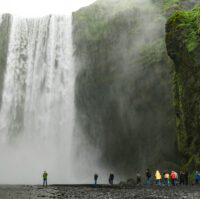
(37, 110)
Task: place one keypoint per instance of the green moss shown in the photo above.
(183, 45)
(187, 23)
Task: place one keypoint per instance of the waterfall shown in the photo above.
(37, 110)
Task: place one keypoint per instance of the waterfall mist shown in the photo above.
(112, 114)
(37, 106)
(123, 91)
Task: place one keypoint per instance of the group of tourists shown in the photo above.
(164, 178)
(167, 178)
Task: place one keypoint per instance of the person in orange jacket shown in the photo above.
(166, 177)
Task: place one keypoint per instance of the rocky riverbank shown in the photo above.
(100, 192)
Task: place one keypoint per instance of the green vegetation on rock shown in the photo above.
(187, 23)
(183, 45)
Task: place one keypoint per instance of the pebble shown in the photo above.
(102, 192)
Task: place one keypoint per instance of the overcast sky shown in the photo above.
(35, 8)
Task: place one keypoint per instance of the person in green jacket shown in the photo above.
(45, 174)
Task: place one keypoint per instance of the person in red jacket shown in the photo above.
(173, 178)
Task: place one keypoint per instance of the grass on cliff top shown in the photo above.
(166, 4)
(188, 22)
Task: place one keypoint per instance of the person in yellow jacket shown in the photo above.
(158, 177)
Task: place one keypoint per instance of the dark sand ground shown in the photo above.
(101, 192)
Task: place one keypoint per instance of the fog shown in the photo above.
(101, 105)
(123, 90)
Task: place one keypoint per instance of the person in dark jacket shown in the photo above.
(182, 177)
(95, 178)
(111, 179)
(148, 177)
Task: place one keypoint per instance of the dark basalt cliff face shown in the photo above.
(5, 26)
(123, 90)
(183, 45)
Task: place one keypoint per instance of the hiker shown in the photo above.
(158, 177)
(45, 174)
(148, 177)
(173, 178)
(196, 177)
(138, 178)
(182, 177)
(111, 178)
(95, 178)
(166, 177)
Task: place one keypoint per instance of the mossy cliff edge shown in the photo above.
(183, 46)
(123, 87)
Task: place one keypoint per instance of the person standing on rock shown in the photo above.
(45, 174)
(95, 178)
(111, 179)
(148, 177)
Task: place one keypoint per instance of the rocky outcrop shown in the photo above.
(183, 45)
